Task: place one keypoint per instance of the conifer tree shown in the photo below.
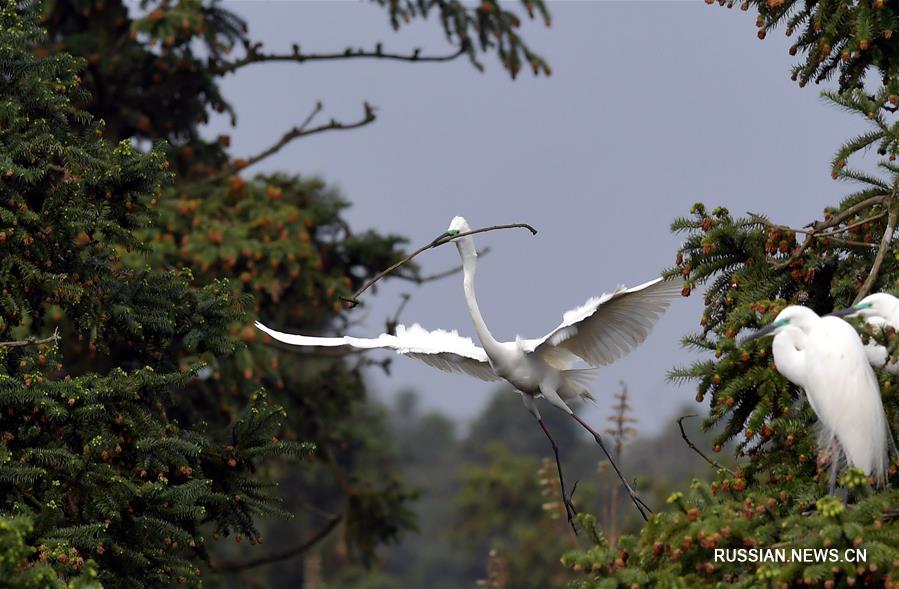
(208, 248)
(96, 463)
(750, 267)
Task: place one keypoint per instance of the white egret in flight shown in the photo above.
(879, 310)
(599, 332)
(826, 357)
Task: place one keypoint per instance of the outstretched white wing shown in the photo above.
(606, 328)
(446, 350)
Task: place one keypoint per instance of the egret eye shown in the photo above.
(861, 306)
(453, 232)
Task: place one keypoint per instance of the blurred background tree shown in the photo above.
(492, 490)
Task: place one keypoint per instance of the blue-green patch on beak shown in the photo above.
(447, 235)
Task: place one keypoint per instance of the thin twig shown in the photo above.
(885, 241)
(821, 235)
(297, 132)
(854, 225)
(254, 55)
(392, 322)
(354, 300)
(680, 424)
(236, 566)
(32, 341)
(303, 504)
(438, 275)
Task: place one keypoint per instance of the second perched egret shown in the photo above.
(879, 310)
(825, 356)
(599, 332)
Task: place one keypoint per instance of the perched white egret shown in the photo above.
(597, 333)
(879, 310)
(825, 356)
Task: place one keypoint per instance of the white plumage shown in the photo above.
(607, 327)
(599, 332)
(879, 310)
(825, 356)
(446, 350)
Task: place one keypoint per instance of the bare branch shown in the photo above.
(32, 341)
(680, 424)
(439, 275)
(354, 300)
(854, 225)
(885, 241)
(254, 54)
(295, 133)
(231, 566)
(392, 322)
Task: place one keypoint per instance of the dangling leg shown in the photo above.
(570, 511)
(835, 464)
(630, 491)
(553, 397)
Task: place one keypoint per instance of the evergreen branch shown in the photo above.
(680, 424)
(816, 229)
(32, 341)
(231, 566)
(853, 210)
(255, 55)
(885, 240)
(863, 178)
(798, 253)
(302, 130)
(831, 234)
(354, 300)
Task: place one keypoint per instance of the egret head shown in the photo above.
(794, 315)
(879, 305)
(457, 225)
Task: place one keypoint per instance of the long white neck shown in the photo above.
(469, 256)
(789, 354)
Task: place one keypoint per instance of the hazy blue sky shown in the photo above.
(651, 107)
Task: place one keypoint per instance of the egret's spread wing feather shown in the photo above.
(445, 350)
(607, 327)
